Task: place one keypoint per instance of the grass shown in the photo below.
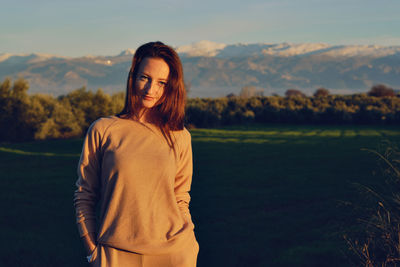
(275, 195)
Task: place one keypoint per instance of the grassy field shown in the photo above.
(275, 195)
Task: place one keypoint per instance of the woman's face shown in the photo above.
(151, 80)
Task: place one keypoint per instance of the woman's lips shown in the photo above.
(148, 97)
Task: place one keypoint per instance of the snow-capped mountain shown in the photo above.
(127, 52)
(211, 49)
(201, 49)
(216, 69)
(26, 58)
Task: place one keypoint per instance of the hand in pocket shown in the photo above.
(93, 256)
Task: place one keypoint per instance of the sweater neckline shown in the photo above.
(135, 121)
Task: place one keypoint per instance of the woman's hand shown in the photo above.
(89, 242)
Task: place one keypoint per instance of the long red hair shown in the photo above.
(169, 112)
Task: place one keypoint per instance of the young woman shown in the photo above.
(137, 165)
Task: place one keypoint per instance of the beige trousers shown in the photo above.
(106, 256)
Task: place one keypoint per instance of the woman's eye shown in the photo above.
(143, 78)
(162, 84)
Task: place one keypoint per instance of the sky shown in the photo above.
(103, 27)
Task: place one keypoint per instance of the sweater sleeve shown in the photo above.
(183, 178)
(87, 185)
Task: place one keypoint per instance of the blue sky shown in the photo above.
(82, 27)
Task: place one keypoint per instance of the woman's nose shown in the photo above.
(151, 87)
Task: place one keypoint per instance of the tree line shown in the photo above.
(41, 116)
(381, 105)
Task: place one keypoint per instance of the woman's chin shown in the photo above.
(148, 104)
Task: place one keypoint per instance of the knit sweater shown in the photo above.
(140, 184)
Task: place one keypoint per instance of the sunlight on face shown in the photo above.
(151, 79)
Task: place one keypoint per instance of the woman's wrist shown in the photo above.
(92, 250)
(89, 243)
(91, 254)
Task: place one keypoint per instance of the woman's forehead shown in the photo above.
(155, 67)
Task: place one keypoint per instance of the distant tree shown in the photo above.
(250, 91)
(81, 104)
(20, 88)
(88, 106)
(39, 110)
(101, 106)
(17, 119)
(117, 102)
(5, 104)
(294, 92)
(5, 87)
(5, 108)
(380, 90)
(321, 92)
(260, 92)
(61, 124)
(247, 91)
(230, 95)
(18, 124)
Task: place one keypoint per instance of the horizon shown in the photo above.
(80, 28)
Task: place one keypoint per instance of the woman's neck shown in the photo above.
(144, 116)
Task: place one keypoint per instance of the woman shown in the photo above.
(138, 166)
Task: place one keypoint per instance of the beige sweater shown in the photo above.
(141, 185)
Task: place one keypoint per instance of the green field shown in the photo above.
(275, 195)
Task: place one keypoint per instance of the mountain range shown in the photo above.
(216, 69)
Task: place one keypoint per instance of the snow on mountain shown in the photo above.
(287, 50)
(211, 49)
(26, 58)
(363, 50)
(201, 49)
(127, 52)
(39, 57)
